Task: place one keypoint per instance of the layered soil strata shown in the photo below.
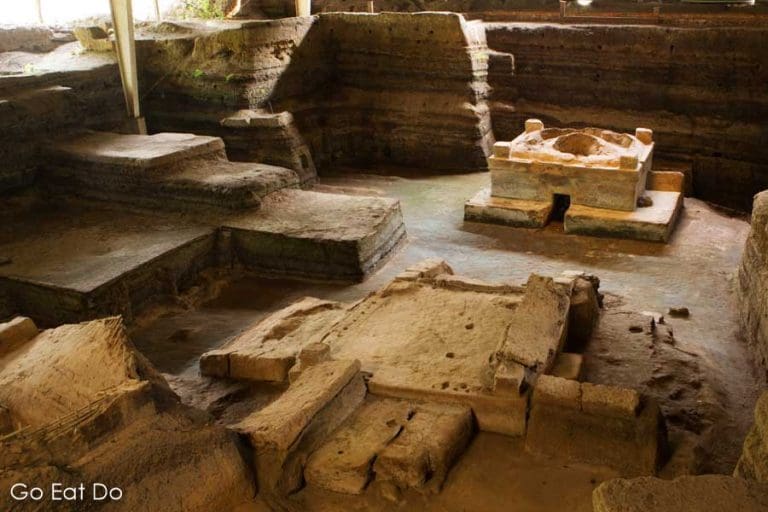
(703, 108)
(363, 89)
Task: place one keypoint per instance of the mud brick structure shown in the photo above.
(597, 175)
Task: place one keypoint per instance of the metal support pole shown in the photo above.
(122, 23)
(157, 11)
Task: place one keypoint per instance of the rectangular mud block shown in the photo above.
(509, 212)
(433, 438)
(609, 400)
(15, 332)
(285, 432)
(539, 326)
(629, 444)
(666, 181)
(557, 392)
(653, 223)
(345, 462)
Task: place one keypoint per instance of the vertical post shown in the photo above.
(303, 8)
(122, 22)
(371, 8)
(39, 11)
(157, 11)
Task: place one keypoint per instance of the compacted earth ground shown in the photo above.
(693, 364)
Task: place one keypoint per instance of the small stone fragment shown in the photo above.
(509, 379)
(679, 312)
(93, 38)
(644, 202)
(557, 391)
(609, 400)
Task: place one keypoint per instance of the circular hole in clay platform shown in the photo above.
(578, 144)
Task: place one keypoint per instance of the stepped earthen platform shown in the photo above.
(71, 264)
(79, 262)
(600, 177)
(168, 170)
(301, 233)
(63, 264)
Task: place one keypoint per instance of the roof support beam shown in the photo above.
(125, 46)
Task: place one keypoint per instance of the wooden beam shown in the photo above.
(303, 8)
(125, 47)
(39, 11)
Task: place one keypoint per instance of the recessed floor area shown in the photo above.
(711, 389)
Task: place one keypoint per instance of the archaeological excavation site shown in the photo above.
(384, 255)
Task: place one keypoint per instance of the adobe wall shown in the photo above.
(363, 89)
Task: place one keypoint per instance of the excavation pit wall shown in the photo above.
(49, 103)
(363, 89)
(701, 90)
(753, 284)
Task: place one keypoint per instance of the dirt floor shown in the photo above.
(697, 367)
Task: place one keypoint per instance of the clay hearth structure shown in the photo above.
(599, 175)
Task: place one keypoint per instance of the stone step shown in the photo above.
(421, 456)
(285, 432)
(69, 264)
(392, 442)
(168, 170)
(345, 462)
(306, 234)
(653, 223)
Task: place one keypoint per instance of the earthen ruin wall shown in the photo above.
(702, 91)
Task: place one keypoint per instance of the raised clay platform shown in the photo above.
(387, 392)
(76, 263)
(299, 233)
(73, 264)
(653, 223)
(412, 339)
(601, 177)
(167, 170)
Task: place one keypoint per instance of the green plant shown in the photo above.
(198, 73)
(205, 9)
